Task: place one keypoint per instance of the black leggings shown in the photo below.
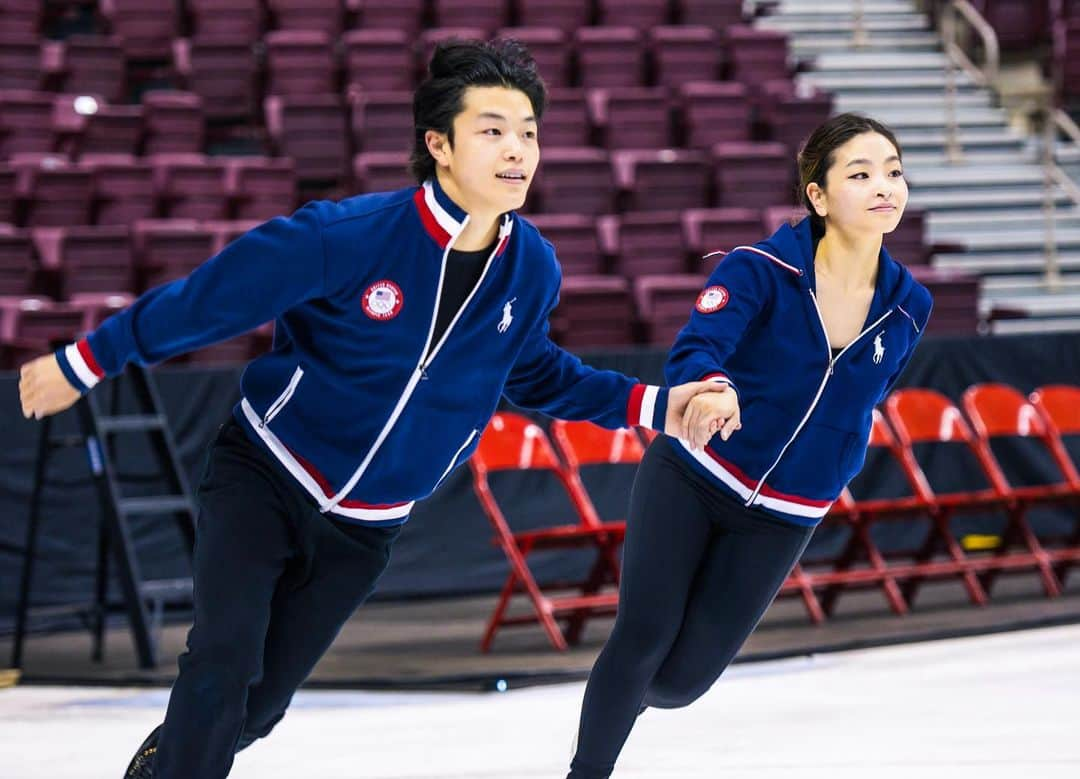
(274, 582)
(699, 571)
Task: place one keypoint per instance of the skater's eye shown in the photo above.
(530, 134)
(896, 174)
(858, 176)
(492, 131)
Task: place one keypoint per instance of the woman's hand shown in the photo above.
(709, 413)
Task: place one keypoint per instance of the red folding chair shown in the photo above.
(512, 442)
(585, 444)
(927, 416)
(1059, 405)
(999, 411)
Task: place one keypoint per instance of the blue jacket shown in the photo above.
(805, 415)
(354, 400)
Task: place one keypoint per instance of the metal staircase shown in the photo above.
(987, 192)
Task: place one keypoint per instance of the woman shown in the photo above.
(808, 330)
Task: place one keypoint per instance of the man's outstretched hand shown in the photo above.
(698, 410)
(43, 388)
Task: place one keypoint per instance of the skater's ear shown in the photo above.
(440, 146)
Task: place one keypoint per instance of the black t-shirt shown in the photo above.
(463, 270)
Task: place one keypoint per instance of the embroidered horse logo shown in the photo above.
(507, 317)
(879, 348)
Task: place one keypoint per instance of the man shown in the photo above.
(401, 318)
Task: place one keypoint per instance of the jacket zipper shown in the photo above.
(283, 398)
(420, 372)
(820, 390)
(457, 454)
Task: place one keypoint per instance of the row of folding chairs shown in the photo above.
(911, 419)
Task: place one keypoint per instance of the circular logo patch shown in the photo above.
(712, 299)
(383, 300)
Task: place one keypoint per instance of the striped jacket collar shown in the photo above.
(443, 219)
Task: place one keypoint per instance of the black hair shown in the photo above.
(819, 153)
(457, 65)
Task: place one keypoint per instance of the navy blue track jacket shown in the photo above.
(355, 400)
(805, 414)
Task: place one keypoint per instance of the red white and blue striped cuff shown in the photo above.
(647, 406)
(79, 366)
(720, 378)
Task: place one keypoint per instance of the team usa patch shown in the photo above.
(383, 300)
(712, 299)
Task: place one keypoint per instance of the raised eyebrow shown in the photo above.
(860, 161)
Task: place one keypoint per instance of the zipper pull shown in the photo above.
(423, 373)
(832, 362)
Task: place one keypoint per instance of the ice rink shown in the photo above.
(993, 707)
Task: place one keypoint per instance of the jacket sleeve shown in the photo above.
(253, 280)
(737, 291)
(548, 378)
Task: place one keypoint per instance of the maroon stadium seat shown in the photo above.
(753, 175)
(381, 121)
(25, 122)
(173, 122)
(167, 249)
(236, 22)
(567, 15)
(382, 171)
(87, 259)
(610, 56)
(487, 15)
(403, 15)
(110, 129)
(662, 179)
(566, 119)
(57, 193)
(791, 116)
(20, 62)
(641, 14)
(323, 16)
(190, 186)
(756, 55)
(576, 242)
(714, 112)
(718, 14)
(94, 65)
(549, 48)
(631, 117)
(145, 28)
(260, 187)
(709, 230)
(593, 311)
(312, 131)
(1020, 24)
(123, 188)
(378, 59)
(956, 299)
(664, 303)
(299, 62)
(682, 54)
(643, 243)
(221, 73)
(575, 180)
(17, 262)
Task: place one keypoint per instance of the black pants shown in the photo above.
(274, 582)
(699, 571)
